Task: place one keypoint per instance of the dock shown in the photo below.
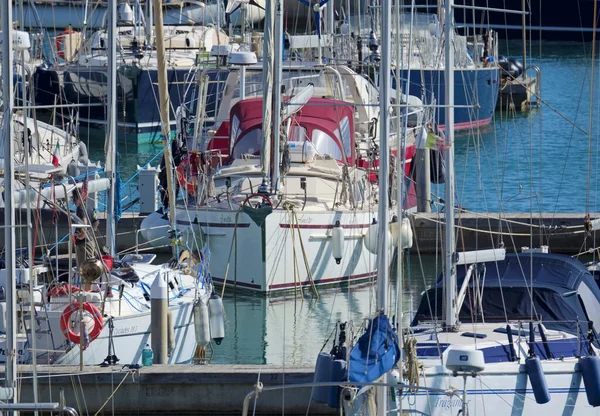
(562, 232)
(520, 94)
(176, 389)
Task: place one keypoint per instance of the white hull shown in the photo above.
(58, 17)
(503, 389)
(262, 258)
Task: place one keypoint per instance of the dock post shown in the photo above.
(158, 319)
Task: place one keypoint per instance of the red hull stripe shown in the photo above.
(470, 124)
(325, 226)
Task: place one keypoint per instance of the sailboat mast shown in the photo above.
(9, 186)
(268, 60)
(449, 266)
(384, 160)
(111, 148)
(277, 97)
(163, 97)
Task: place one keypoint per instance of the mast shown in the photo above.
(9, 187)
(268, 59)
(384, 160)
(449, 266)
(163, 97)
(278, 92)
(111, 146)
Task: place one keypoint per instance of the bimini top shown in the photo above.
(328, 124)
(562, 289)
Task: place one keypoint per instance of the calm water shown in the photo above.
(535, 161)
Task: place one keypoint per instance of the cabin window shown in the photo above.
(325, 144)
(249, 144)
(345, 139)
(297, 134)
(589, 302)
(235, 128)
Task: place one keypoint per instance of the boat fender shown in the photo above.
(73, 169)
(370, 239)
(170, 333)
(217, 320)
(83, 153)
(537, 379)
(320, 394)
(590, 369)
(201, 324)
(65, 318)
(337, 242)
(338, 374)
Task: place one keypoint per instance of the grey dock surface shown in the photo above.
(176, 389)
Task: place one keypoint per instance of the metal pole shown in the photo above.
(30, 248)
(111, 146)
(163, 96)
(277, 97)
(450, 267)
(524, 29)
(9, 187)
(149, 24)
(384, 161)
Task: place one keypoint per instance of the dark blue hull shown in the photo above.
(137, 97)
(475, 94)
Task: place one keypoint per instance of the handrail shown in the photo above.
(259, 388)
(53, 407)
(538, 83)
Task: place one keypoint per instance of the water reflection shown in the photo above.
(291, 330)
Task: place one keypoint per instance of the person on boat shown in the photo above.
(83, 248)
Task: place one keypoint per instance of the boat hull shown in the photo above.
(137, 92)
(475, 94)
(272, 257)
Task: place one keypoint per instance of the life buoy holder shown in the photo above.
(263, 196)
(65, 318)
(60, 40)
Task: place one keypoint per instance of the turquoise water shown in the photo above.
(534, 161)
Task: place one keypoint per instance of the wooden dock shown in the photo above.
(176, 389)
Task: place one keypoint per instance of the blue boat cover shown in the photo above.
(375, 353)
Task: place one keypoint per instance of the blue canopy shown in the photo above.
(375, 353)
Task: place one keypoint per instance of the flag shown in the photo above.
(55, 159)
(427, 139)
(85, 340)
(84, 190)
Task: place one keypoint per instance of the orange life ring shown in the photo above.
(185, 169)
(59, 41)
(66, 316)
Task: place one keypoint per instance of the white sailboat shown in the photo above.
(287, 186)
(104, 315)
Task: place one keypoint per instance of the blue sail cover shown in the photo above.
(375, 353)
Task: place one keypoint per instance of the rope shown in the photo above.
(233, 244)
(413, 366)
(112, 394)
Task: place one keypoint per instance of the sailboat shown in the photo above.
(528, 342)
(102, 314)
(286, 187)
